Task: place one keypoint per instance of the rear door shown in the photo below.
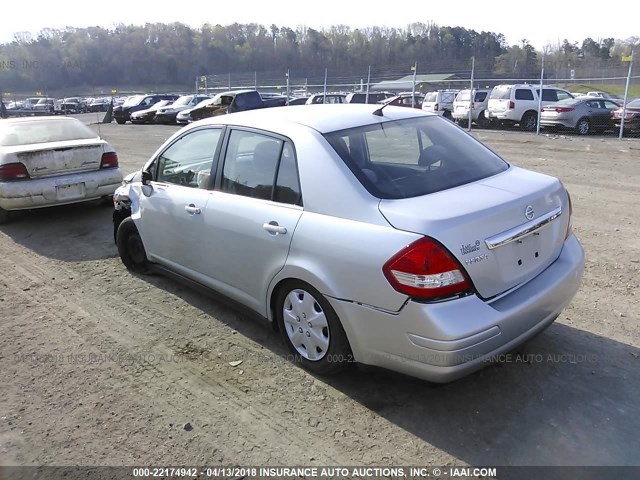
(250, 219)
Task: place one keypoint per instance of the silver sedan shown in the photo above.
(47, 161)
(583, 114)
(380, 235)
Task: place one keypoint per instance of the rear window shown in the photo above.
(43, 131)
(480, 96)
(431, 97)
(501, 92)
(463, 96)
(413, 157)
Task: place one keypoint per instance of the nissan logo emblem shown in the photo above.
(528, 212)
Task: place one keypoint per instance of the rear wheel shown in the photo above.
(529, 121)
(130, 247)
(583, 126)
(311, 329)
(4, 216)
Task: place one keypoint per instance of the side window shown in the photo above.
(188, 161)
(610, 105)
(287, 185)
(549, 95)
(562, 95)
(480, 97)
(250, 164)
(524, 94)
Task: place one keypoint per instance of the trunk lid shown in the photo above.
(477, 221)
(56, 158)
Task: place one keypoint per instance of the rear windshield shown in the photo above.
(431, 97)
(501, 92)
(43, 131)
(463, 96)
(413, 157)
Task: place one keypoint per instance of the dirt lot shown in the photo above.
(102, 367)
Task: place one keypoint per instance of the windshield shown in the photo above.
(206, 102)
(43, 131)
(413, 157)
(183, 101)
(634, 103)
(133, 101)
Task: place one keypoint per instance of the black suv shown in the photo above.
(122, 113)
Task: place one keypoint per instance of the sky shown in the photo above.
(541, 22)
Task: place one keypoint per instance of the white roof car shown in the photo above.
(47, 161)
(460, 111)
(439, 102)
(376, 234)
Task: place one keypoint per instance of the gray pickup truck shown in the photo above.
(236, 101)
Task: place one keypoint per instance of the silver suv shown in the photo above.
(519, 103)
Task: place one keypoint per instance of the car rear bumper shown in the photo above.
(558, 122)
(59, 190)
(441, 342)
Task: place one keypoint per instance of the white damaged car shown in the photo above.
(46, 161)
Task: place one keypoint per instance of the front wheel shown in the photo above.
(482, 121)
(583, 126)
(130, 247)
(121, 121)
(311, 329)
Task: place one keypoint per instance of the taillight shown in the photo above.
(425, 270)
(109, 160)
(435, 107)
(570, 224)
(512, 104)
(564, 109)
(13, 171)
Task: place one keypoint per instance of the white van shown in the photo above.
(440, 102)
(460, 110)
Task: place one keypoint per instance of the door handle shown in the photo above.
(273, 228)
(192, 209)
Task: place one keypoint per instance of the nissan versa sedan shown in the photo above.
(374, 234)
(47, 161)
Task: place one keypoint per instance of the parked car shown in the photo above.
(147, 115)
(518, 104)
(99, 104)
(361, 97)
(287, 211)
(405, 100)
(460, 110)
(439, 102)
(297, 101)
(235, 101)
(30, 103)
(631, 117)
(184, 117)
(47, 161)
(584, 114)
(47, 106)
(328, 98)
(167, 113)
(122, 113)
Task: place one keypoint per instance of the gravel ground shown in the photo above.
(100, 366)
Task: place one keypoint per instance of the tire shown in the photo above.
(4, 216)
(120, 121)
(482, 121)
(529, 121)
(131, 248)
(583, 127)
(298, 306)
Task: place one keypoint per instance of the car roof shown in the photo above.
(43, 118)
(321, 117)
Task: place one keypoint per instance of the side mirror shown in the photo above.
(146, 177)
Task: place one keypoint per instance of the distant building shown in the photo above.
(424, 83)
